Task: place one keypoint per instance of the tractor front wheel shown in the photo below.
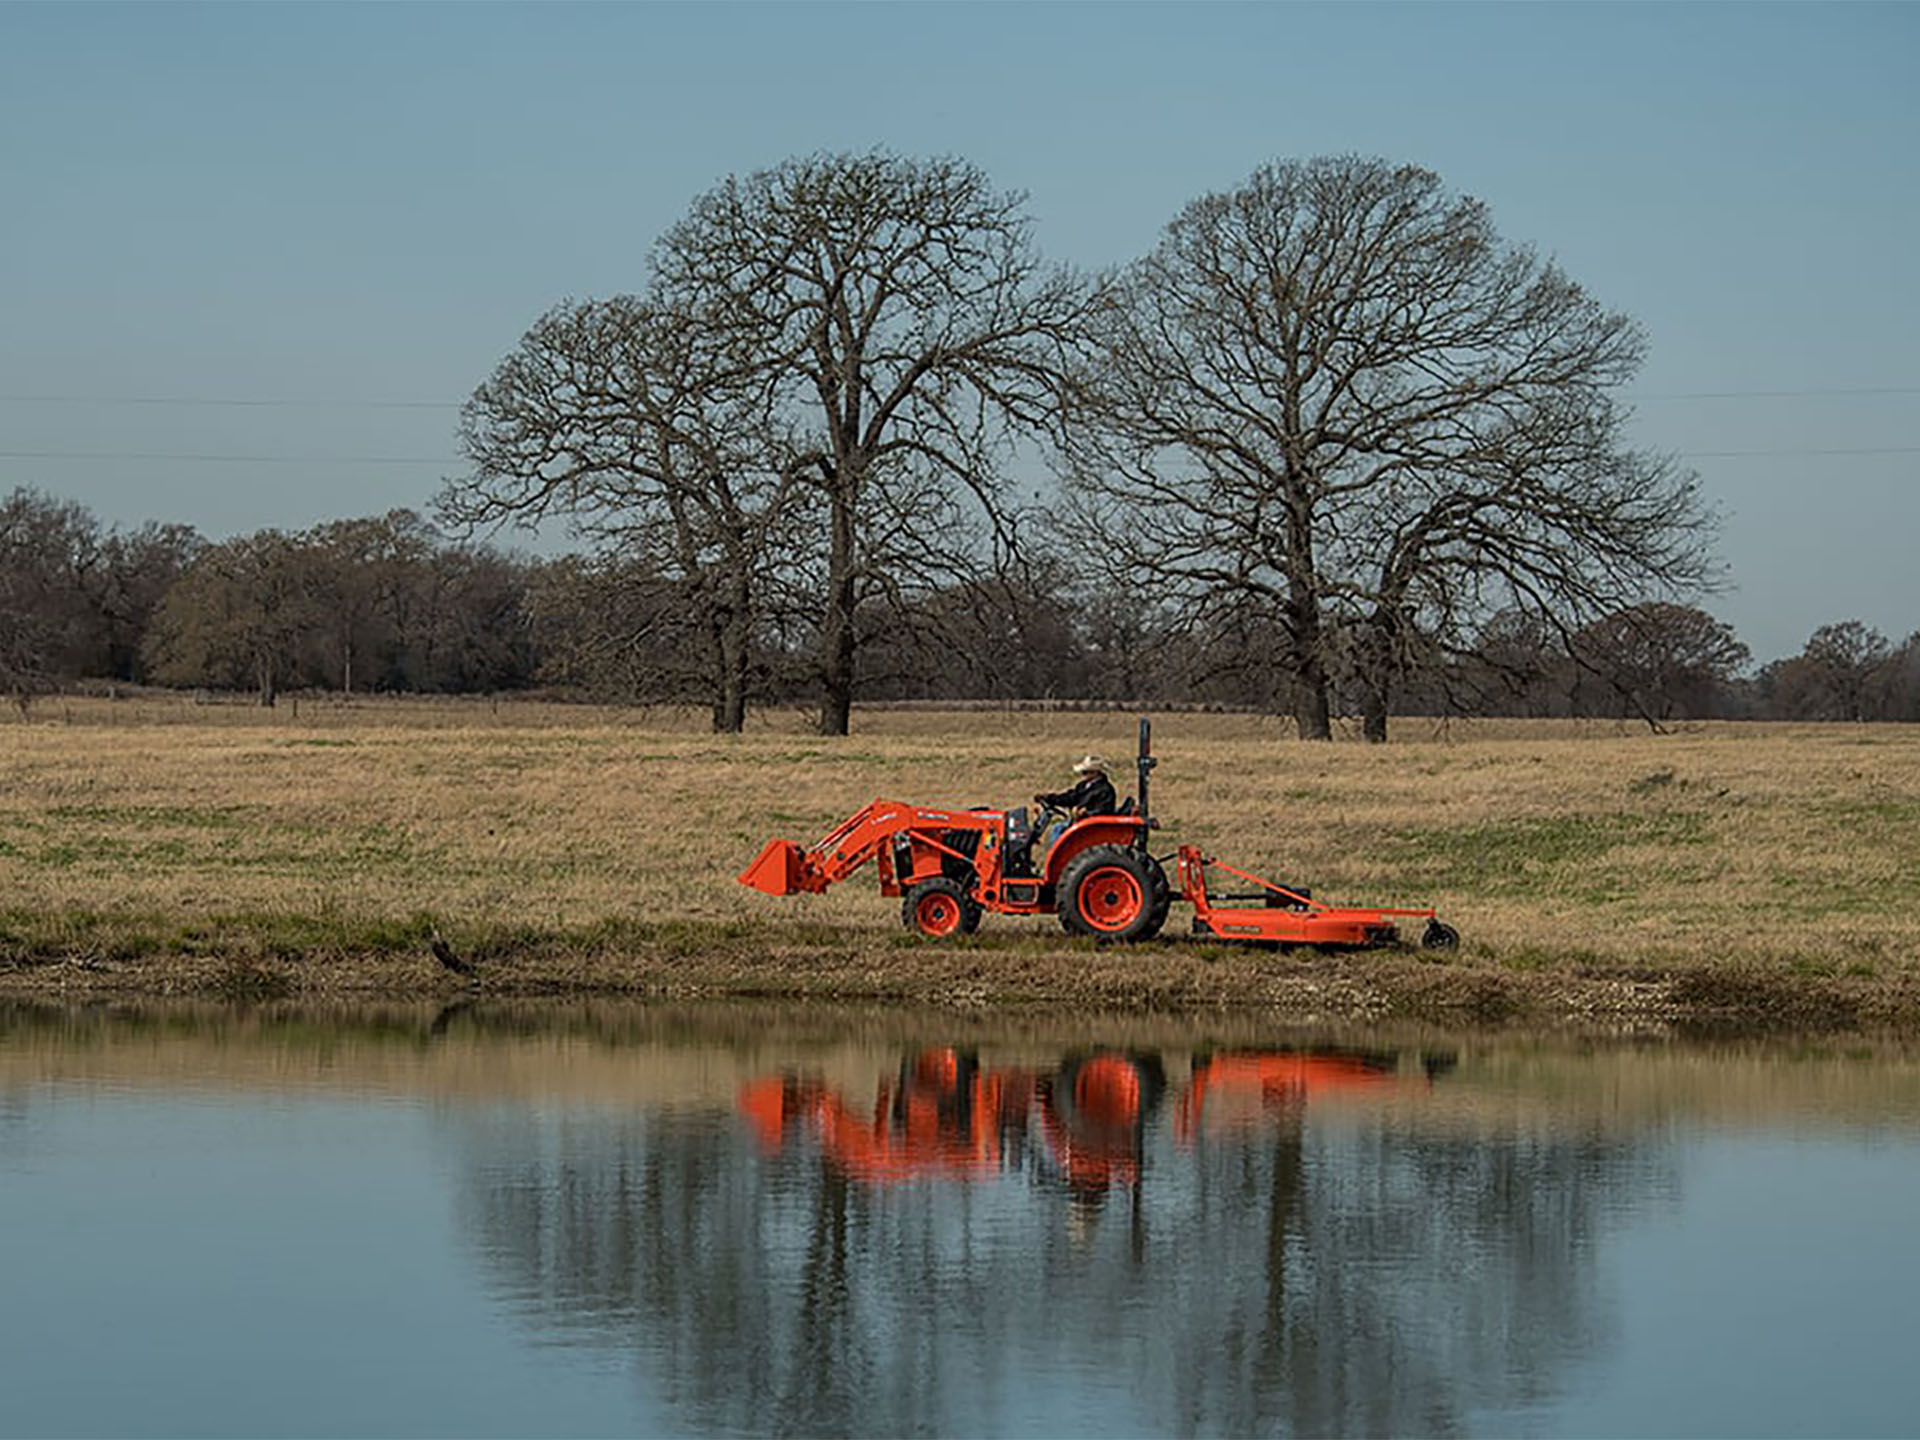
(1112, 893)
(940, 907)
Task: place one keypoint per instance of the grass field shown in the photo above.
(157, 844)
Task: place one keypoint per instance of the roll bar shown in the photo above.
(1146, 763)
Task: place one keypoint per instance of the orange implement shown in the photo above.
(950, 867)
(1293, 917)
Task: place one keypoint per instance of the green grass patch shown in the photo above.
(29, 938)
(178, 817)
(1897, 815)
(294, 850)
(1538, 854)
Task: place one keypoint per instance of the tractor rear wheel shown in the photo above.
(940, 907)
(1113, 893)
(1162, 895)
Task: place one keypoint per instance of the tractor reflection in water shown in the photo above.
(1080, 1125)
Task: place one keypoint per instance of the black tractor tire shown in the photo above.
(1440, 936)
(939, 908)
(1163, 895)
(1110, 892)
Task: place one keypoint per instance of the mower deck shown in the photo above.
(1285, 916)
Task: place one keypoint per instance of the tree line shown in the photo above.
(382, 603)
(1333, 446)
(392, 603)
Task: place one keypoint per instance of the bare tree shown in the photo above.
(1902, 687)
(1658, 661)
(50, 556)
(620, 417)
(238, 616)
(617, 628)
(362, 571)
(1844, 673)
(1517, 665)
(906, 333)
(138, 570)
(1334, 395)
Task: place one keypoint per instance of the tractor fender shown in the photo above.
(1122, 830)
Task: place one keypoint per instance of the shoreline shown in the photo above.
(983, 975)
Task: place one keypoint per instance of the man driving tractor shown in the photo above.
(1092, 795)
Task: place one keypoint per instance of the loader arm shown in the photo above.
(783, 868)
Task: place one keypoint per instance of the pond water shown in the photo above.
(600, 1220)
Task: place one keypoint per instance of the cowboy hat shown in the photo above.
(1089, 765)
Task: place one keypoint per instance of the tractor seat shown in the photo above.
(1128, 807)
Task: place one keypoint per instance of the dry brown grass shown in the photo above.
(154, 826)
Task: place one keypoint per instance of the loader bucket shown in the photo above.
(776, 871)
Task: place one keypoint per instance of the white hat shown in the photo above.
(1089, 765)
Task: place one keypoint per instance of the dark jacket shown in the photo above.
(1092, 796)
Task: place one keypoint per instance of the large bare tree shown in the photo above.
(624, 418)
(1335, 400)
(906, 331)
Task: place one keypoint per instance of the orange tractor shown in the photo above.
(1100, 877)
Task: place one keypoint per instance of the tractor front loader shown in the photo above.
(1099, 877)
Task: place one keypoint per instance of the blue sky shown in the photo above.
(340, 204)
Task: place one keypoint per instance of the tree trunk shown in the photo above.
(1312, 712)
(837, 637)
(1312, 715)
(263, 669)
(732, 633)
(1376, 683)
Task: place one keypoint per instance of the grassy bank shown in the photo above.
(1593, 870)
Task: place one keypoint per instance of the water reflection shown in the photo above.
(775, 1219)
(13, 1121)
(1237, 1242)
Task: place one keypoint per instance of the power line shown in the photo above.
(1777, 394)
(228, 459)
(1770, 454)
(211, 401)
